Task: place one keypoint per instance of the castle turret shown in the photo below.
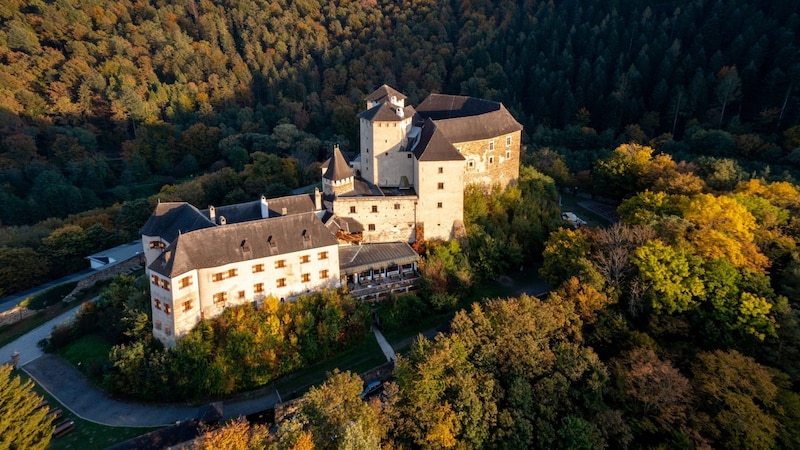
(338, 179)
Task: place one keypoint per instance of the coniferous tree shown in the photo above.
(23, 424)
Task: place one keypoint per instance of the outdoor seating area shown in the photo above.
(376, 270)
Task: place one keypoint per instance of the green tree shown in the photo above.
(672, 275)
(337, 416)
(23, 424)
(740, 397)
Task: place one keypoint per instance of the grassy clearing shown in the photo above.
(358, 359)
(88, 354)
(49, 297)
(86, 435)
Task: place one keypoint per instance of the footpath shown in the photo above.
(74, 391)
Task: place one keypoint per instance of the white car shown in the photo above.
(573, 219)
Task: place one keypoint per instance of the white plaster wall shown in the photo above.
(438, 221)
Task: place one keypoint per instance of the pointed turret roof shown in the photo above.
(384, 93)
(338, 168)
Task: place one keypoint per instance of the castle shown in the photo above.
(407, 183)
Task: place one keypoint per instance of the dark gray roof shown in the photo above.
(338, 167)
(171, 218)
(434, 146)
(386, 113)
(294, 204)
(358, 258)
(464, 119)
(362, 188)
(239, 212)
(217, 246)
(384, 93)
(347, 224)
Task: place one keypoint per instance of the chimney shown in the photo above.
(264, 208)
(212, 213)
(222, 220)
(317, 199)
(400, 112)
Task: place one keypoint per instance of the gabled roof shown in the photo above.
(386, 113)
(384, 93)
(218, 246)
(172, 218)
(338, 167)
(464, 119)
(238, 212)
(434, 146)
(294, 204)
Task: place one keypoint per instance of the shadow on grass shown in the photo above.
(359, 359)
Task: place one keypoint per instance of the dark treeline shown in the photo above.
(109, 94)
(103, 103)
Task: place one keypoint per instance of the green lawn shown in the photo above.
(88, 354)
(86, 435)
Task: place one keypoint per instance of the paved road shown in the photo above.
(11, 301)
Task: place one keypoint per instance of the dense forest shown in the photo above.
(104, 104)
(676, 327)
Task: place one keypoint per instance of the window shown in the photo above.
(186, 282)
(374, 208)
(397, 206)
(157, 304)
(220, 298)
(304, 259)
(217, 276)
(471, 164)
(280, 264)
(441, 169)
(158, 324)
(187, 306)
(305, 278)
(371, 227)
(508, 141)
(491, 145)
(258, 268)
(508, 154)
(241, 295)
(408, 156)
(232, 272)
(154, 279)
(258, 288)
(323, 255)
(281, 282)
(491, 160)
(157, 244)
(167, 308)
(439, 205)
(165, 284)
(167, 331)
(352, 210)
(440, 186)
(323, 274)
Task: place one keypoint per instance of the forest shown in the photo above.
(104, 105)
(675, 328)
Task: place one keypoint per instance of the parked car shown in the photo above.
(573, 219)
(372, 387)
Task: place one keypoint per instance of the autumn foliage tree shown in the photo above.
(23, 423)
